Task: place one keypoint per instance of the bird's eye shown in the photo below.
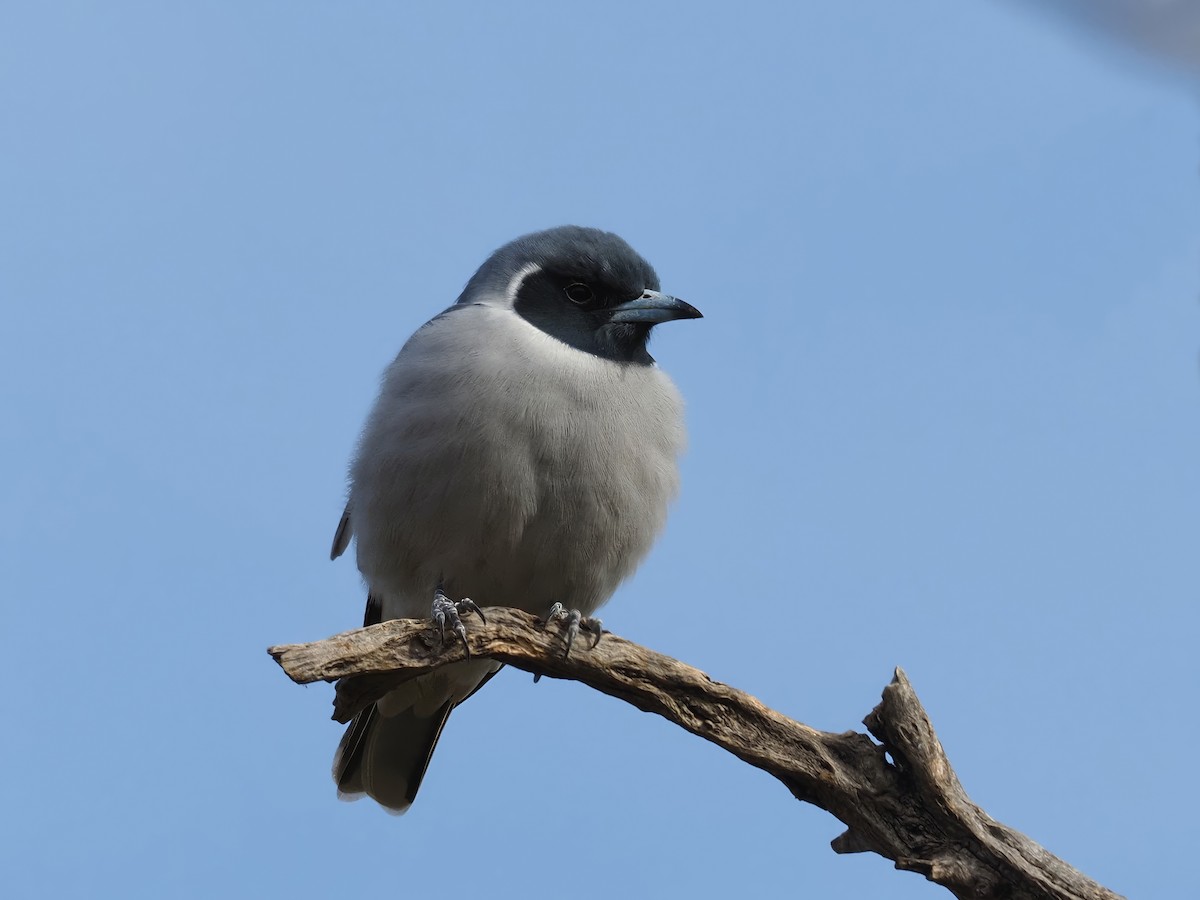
(580, 294)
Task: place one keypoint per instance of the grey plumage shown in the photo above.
(522, 451)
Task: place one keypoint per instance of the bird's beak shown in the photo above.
(653, 308)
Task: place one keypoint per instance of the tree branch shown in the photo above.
(898, 797)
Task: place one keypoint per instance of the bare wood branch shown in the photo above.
(898, 797)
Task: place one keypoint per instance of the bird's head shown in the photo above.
(585, 287)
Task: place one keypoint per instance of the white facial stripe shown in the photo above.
(514, 286)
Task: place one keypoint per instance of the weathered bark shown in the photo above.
(898, 797)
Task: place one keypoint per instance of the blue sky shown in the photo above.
(943, 414)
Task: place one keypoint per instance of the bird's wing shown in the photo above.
(373, 614)
(341, 537)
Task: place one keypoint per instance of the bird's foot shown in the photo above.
(576, 622)
(450, 612)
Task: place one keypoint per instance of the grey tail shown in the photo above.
(385, 757)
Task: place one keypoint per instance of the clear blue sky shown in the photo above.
(943, 411)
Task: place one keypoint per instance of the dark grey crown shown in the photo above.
(566, 250)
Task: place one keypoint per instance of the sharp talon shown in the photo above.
(441, 605)
(466, 605)
(573, 620)
(447, 611)
(537, 676)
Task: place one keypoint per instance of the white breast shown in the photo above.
(517, 468)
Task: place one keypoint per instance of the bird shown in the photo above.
(522, 452)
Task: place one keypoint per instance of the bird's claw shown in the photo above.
(576, 621)
(450, 612)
